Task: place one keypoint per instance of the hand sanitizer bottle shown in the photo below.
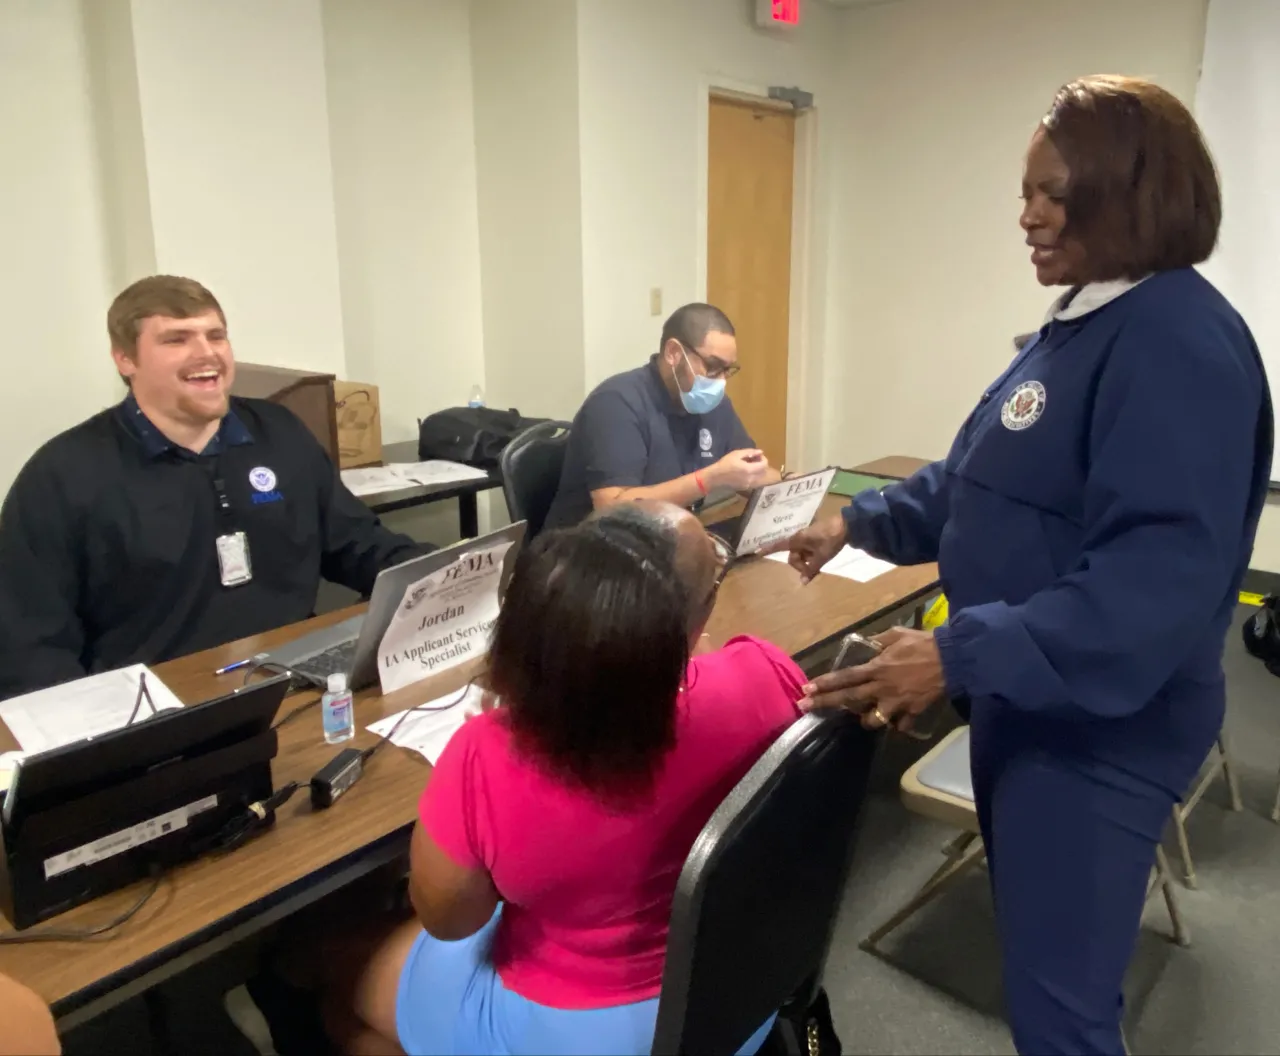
(337, 712)
(477, 397)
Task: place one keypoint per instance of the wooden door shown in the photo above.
(751, 161)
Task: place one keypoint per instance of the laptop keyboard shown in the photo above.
(333, 661)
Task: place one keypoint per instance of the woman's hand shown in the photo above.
(812, 547)
(892, 689)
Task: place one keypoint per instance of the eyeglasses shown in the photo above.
(714, 368)
(724, 558)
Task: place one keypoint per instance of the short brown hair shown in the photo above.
(168, 295)
(1142, 195)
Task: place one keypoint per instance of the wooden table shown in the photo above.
(208, 905)
(465, 491)
(897, 467)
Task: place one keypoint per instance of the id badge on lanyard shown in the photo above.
(234, 565)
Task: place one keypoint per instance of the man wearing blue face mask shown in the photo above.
(663, 431)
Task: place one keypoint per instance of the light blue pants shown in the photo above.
(451, 1001)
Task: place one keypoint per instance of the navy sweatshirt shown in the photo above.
(1092, 523)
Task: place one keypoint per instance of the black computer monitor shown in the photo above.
(88, 817)
(73, 770)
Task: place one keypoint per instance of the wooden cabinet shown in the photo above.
(306, 393)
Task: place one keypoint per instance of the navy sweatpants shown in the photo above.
(1070, 846)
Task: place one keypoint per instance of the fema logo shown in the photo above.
(262, 479)
(1023, 407)
(704, 439)
(414, 596)
(768, 499)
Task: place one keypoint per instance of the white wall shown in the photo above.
(54, 275)
(932, 279)
(645, 66)
(236, 132)
(398, 76)
(525, 75)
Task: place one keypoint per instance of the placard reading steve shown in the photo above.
(443, 619)
(782, 509)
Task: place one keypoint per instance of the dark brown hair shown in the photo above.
(168, 295)
(589, 651)
(1142, 194)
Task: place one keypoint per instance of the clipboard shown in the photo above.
(775, 511)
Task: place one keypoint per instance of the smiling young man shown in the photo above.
(665, 431)
(177, 520)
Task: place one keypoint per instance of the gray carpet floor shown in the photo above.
(937, 990)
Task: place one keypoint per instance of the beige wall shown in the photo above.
(930, 278)
(55, 270)
(398, 77)
(525, 76)
(646, 67)
(236, 134)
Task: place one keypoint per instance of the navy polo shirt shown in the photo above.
(232, 432)
(108, 549)
(629, 434)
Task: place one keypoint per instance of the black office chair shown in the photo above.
(758, 897)
(530, 466)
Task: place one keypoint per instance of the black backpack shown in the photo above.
(1261, 633)
(474, 435)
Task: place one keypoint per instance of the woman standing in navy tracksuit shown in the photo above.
(1093, 522)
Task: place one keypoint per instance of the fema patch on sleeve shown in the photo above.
(704, 441)
(1024, 406)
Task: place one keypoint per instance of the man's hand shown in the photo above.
(740, 470)
(892, 689)
(812, 547)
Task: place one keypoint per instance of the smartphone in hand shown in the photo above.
(854, 651)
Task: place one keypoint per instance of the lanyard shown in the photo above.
(220, 495)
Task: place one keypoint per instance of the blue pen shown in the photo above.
(239, 664)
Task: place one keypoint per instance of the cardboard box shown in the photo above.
(359, 424)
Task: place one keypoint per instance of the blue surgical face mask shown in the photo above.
(705, 394)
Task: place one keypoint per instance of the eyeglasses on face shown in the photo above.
(714, 368)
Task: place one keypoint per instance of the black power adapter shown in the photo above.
(336, 776)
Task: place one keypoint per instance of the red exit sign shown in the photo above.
(778, 14)
(787, 11)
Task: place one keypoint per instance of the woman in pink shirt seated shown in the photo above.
(554, 828)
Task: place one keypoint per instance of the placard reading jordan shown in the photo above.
(779, 510)
(444, 619)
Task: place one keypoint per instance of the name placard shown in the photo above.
(782, 509)
(443, 620)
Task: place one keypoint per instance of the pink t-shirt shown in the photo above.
(588, 890)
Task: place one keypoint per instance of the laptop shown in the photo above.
(351, 647)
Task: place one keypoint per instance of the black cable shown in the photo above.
(253, 819)
(386, 737)
(143, 694)
(82, 934)
(271, 667)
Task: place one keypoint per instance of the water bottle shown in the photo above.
(336, 711)
(477, 397)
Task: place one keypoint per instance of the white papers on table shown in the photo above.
(427, 732)
(87, 707)
(857, 565)
(371, 480)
